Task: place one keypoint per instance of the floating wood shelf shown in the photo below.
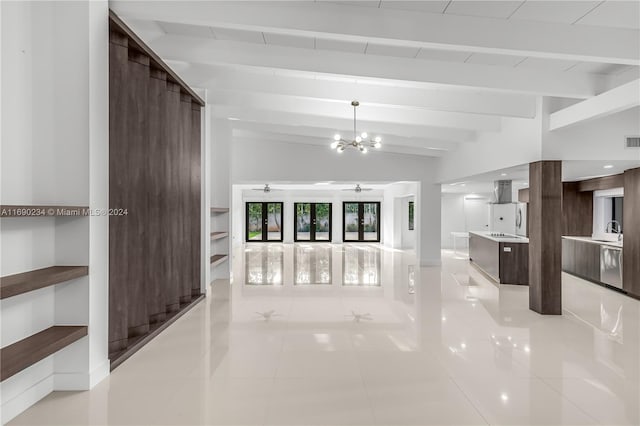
(217, 259)
(219, 210)
(12, 285)
(218, 235)
(42, 211)
(26, 352)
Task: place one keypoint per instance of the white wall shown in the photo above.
(55, 151)
(518, 142)
(600, 139)
(254, 161)
(463, 213)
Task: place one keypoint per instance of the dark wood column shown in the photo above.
(631, 224)
(545, 237)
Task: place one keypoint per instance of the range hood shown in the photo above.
(502, 192)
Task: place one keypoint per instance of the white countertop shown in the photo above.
(508, 238)
(591, 240)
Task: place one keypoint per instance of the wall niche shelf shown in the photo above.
(13, 285)
(219, 210)
(26, 352)
(217, 259)
(7, 210)
(219, 235)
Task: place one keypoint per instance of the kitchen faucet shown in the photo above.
(606, 229)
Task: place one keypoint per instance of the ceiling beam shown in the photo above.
(365, 112)
(310, 87)
(300, 132)
(262, 138)
(403, 28)
(615, 100)
(245, 114)
(271, 57)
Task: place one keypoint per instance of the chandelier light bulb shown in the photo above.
(340, 149)
(336, 137)
(377, 139)
(377, 145)
(364, 135)
(364, 150)
(358, 139)
(334, 145)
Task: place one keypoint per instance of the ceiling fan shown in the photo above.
(267, 189)
(358, 189)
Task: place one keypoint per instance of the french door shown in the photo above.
(361, 221)
(263, 222)
(312, 222)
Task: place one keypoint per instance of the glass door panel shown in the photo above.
(254, 222)
(361, 222)
(370, 222)
(322, 222)
(312, 222)
(274, 222)
(303, 222)
(263, 222)
(351, 222)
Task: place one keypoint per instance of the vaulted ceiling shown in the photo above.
(429, 75)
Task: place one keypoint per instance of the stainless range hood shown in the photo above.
(502, 192)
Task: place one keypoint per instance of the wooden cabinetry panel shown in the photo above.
(631, 218)
(587, 260)
(514, 263)
(569, 256)
(484, 253)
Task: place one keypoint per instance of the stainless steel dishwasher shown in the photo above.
(611, 265)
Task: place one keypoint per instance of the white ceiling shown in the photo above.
(430, 75)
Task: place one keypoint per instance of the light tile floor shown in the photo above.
(404, 345)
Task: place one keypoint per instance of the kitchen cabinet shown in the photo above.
(587, 260)
(569, 256)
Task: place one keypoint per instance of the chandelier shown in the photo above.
(360, 142)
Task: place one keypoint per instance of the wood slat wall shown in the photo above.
(154, 148)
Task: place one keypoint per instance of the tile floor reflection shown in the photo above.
(438, 345)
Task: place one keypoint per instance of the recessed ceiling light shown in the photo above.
(609, 166)
(503, 174)
(233, 119)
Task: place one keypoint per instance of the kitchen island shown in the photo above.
(503, 257)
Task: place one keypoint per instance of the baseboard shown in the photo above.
(81, 381)
(26, 399)
(430, 262)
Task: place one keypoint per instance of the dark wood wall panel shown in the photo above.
(154, 173)
(631, 219)
(577, 210)
(118, 247)
(173, 208)
(136, 190)
(185, 198)
(600, 183)
(545, 237)
(157, 267)
(196, 234)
